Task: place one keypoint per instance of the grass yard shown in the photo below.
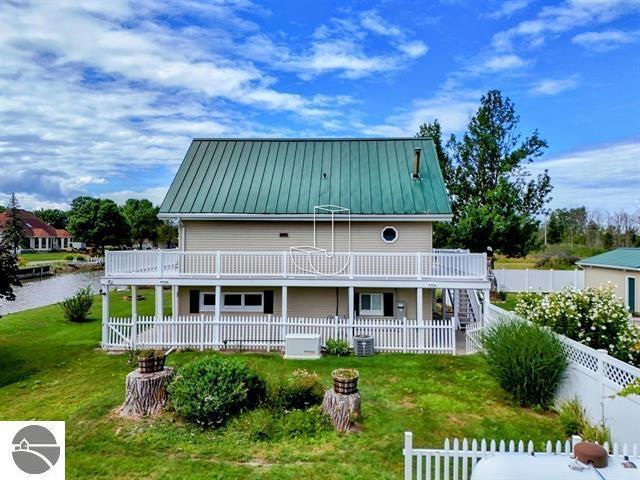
(54, 370)
(48, 256)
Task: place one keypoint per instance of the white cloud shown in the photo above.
(109, 93)
(508, 8)
(371, 20)
(606, 40)
(340, 47)
(500, 63)
(557, 19)
(551, 86)
(413, 49)
(453, 107)
(609, 173)
(153, 194)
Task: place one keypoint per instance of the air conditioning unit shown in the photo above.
(302, 346)
(364, 345)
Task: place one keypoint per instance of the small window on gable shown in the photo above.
(389, 234)
(284, 235)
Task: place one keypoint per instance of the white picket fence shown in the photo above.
(266, 332)
(457, 459)
(538, 280)
(593, 376)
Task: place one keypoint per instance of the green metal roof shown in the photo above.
(618, 258)
(290, 176)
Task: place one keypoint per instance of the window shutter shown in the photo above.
(194, 301)
(356, 301)
(268, 302)
(387, 304)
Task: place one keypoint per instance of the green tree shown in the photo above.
(2, 208)
(143, 219)
(98, 222)
(494, 198)
(53, 216)
(434, 130)
(168, 234)
(13, 228)
(8, 272)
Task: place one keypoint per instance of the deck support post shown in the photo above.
(134, 301)
(174, 302)
(217, 340)
(420, 320)
(352, 309)
(159, 304)
(105, 315)
(485, 304)
(284, 314)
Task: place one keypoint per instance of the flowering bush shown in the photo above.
(210, 390)
(594, 317)
(300, 390)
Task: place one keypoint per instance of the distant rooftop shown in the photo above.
(370, 176)
(622, 258)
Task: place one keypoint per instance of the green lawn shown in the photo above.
(53, 370)
(47, 256)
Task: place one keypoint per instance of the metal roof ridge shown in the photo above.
(309, 139)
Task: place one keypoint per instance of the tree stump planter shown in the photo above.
(146, 393)
(343, 410)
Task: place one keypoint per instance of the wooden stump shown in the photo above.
(342, 409)
(146, 393)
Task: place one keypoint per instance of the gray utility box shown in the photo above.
(364, 345)
(302, 346)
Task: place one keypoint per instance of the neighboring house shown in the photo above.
(40, 236)
(620, 267)
(307, 228)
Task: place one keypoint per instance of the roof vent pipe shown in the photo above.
(416, 164)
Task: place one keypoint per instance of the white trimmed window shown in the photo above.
(207, 301)
(389, 234)
(371, 304)
(243, 302)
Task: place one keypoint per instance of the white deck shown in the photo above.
(314, 268)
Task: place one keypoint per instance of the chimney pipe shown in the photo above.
(416, 164)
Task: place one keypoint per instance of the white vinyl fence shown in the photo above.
(266, 332)
(593, 377)
(538, 280)
(457, 459)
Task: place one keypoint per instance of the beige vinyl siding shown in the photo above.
(265, 236)
(596, 276)
(318, 301)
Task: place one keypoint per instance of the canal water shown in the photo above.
(38, 293)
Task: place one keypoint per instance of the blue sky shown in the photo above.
(103, 98)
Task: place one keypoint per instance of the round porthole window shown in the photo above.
(389, 234)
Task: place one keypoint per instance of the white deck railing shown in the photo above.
(457, 459)
(173, 263)
(266, 332)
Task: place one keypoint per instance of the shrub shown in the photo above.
(300, 390)
(337, 347)
(594, 317)
(574, 421)
(210, 390)
(69, 257)
(527, 360)
(76, 308)
(81, 258)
